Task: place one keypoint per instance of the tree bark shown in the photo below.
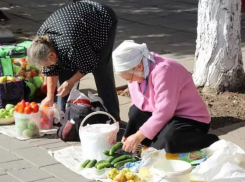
(218, 57)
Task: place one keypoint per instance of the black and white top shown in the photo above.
(78, 32)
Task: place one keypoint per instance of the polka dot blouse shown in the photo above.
(78, 32)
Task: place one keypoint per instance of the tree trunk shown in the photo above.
(218, 58)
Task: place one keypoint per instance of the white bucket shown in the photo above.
(94, 143)
(171, 171)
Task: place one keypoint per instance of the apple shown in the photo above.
(3, 79)
(44, 88)
(8, 116)
(10, 78)
(3, 114)
(11, 112)
(9, 106)
(2, 110)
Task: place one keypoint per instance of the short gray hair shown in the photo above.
(39, 49)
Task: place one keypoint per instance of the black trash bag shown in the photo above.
(13, 92)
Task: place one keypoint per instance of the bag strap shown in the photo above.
(95, 113)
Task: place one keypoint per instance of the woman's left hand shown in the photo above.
(131, 143)
(64, 89)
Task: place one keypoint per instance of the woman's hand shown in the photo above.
(131, 143)
(64, 89)
(47, 101)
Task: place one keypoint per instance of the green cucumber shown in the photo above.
(91, 164)
(103, 165)
(115, 147)
(111, 158)
(121, 158)
(99, 162)
(106, 152)
(85, 163)
(121, 163)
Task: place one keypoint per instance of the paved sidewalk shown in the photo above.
(167, 26)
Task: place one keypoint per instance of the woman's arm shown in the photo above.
(66, 87)
(51, 85)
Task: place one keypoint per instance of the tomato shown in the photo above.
(27, 103)
(34, 107)
(16, 108)
(46, 106)
(27, 110)
(23, 103)
(21, 108)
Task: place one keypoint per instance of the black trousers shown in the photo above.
(178, 136)
(103, 75)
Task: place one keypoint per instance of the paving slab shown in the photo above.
(36, 156)
(2, 172)
(4, 137)
(14, 144)
(7, 156)
(46, 142)
(52, 146)
(63, 173)
(28, 175)
(124, 112)
(236, 140)
(8, 178)
(123, 100)
(235, 130)
(50, 180)
(16, 165)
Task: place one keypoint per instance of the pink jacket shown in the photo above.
(170, 92)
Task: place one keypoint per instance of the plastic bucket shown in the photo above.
(27, 125)
(171, 171)
(47, 118)
(94, 143)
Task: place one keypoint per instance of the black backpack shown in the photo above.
(69, 131)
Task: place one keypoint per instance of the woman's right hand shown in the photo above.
(47, 101)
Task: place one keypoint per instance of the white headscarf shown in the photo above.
(129, 54)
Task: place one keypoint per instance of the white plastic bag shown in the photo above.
(150, 155)
(226, 163)
(97, 137)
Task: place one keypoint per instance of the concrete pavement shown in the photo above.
(167, 26)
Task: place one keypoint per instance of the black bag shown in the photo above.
(13, 92)
(69, 131)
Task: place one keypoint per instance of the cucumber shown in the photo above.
(91, 164)
(103, 165)
(111, 158)
(121, 158)
(121, 163)
(106, 152)
(115, 147)
(85, 163)
(99, 162)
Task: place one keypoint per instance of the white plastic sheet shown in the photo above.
(225, 164)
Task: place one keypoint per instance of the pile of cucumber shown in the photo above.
(114, 159)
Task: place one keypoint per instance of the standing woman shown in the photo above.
(74, 41)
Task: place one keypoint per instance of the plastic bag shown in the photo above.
(97, 138)
(226, 163)
(150, 155)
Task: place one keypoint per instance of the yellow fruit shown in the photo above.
(112, 173)
(129, 176)
(119, 178)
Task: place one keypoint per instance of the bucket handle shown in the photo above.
(95, 113)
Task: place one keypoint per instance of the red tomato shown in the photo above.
(23, 103)
(21, 108)
(27, 103)
(16, 108)
(27, 110)
(34, 107)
